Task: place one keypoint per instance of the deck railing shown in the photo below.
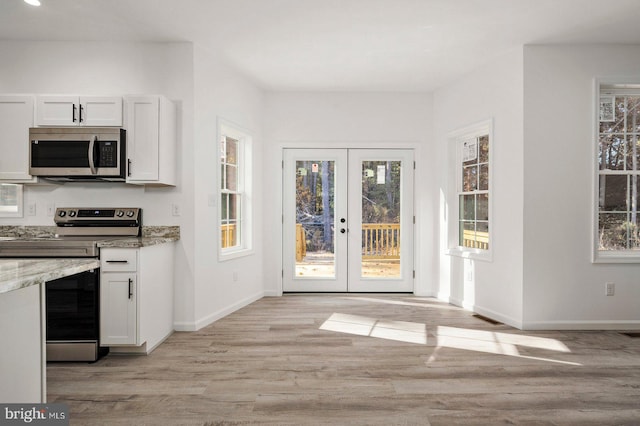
(228, 235)
(475, 239)
(379, 241)
(301, 243)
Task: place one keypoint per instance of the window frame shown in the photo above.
(227, 129)
(19, 202)
(605, 87)
(456, 140)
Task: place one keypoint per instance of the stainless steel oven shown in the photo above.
(73, 303)
(78, 154)
(73, 318)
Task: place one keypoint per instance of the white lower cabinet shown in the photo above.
(136, 297)
(118, 309)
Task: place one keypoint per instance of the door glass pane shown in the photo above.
(315, 239)
(380, 219)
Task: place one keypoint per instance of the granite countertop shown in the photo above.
(151, 235)
(20, 273)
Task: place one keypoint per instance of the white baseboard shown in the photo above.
(489, 313)
(213, 317)
(582, 325)
(516, 323)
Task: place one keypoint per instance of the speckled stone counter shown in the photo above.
(151, 235)
(20, 273)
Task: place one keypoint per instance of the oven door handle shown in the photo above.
(130, 288)
(91, 154)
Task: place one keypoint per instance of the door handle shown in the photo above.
(81, 113)
(92, 154)
(73, 112)
(130, 288)
(117, 261)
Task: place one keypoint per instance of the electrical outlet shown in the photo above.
(175, 209)
(610, 289)
(31, 209)
(51, 209)
(235, 276)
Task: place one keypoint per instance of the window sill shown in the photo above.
(617, 257)
(234, 254)
(475, 254)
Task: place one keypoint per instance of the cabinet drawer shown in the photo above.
(118, 260)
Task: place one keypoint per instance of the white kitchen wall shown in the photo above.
(221, 93)
(204, 89)
(341, 120)
(492, 92)
(562, 288)
(115, 69)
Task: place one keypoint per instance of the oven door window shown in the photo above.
(72, 307)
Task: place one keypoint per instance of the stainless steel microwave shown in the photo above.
(78, 153)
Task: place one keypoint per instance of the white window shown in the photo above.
(10, 200)
(470, 220)
(618, 173)
(234, 191)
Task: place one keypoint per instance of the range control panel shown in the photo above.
(72, 216)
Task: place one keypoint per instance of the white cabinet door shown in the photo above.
(68, 110)
(16, 116)
(150, 122)
(142, 125)
(101, 111)
(57, 111)
(118, 309)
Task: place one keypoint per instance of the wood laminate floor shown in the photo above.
(360, 360)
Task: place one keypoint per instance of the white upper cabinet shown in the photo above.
(16, 116)
(150, 122)
(67, 110)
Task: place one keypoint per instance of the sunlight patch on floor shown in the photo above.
(497, 343)
(410, 332)
(491, 342)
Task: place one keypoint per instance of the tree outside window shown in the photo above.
(234, 191)
(473, 192)
(618, 170)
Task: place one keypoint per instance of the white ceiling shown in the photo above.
(337, 45)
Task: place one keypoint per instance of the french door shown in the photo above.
(348, 220)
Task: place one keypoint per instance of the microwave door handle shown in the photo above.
(91, 154)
